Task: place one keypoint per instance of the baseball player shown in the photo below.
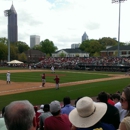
(43, 79)
(57, 80)
(8, 77)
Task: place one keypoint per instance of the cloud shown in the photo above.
(93, 26)
(65, 21)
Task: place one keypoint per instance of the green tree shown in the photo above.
(48, 55)
(123, 44)
(62, 55)
(13, 52)
(85, 45)
(47, 47)
(3, 40)
(22, 46)
(37, 47)
(91, 46)
(107, 41)
(94, 46)
(3, 51)
(96, 54)
(22, 57)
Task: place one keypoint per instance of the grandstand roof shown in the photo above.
(113, 48)
(76, 50)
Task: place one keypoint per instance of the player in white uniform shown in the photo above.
(8, 77)
(52, 69)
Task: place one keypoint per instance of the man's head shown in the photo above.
(46, 108)
(116, 97)
(66, 100)
(102, 97)
(55, 108)
(20, 115)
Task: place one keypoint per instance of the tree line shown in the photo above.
(17, 49)
(47, 46)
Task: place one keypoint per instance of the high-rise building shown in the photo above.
(34, 40)
(12, 25)
(73, 46)
(84, 37)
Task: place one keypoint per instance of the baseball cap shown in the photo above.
(42, 106)
(55, 106)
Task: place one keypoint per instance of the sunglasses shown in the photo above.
(123, 100)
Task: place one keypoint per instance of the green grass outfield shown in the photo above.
(64, 76)
(46, 96)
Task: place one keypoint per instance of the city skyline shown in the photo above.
(65, 21)
(12, 25)
(34, 40)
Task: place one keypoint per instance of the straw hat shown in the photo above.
(87, 113)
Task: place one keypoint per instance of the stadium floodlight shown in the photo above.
(118, 1)
(7, 13)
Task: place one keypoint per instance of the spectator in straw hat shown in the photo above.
(87, 115)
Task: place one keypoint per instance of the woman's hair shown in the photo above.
(127, 95)
(116, 96)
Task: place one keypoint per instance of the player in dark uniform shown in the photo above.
(43, 79)
(57, 80)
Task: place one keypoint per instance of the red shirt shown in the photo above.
(111, 102)
(43, 76)
(60, 122)
(37, 118)
(57, 80)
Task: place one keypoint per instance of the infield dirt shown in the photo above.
(16, 87)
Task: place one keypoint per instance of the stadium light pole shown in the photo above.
(7, 13)
(118, 1)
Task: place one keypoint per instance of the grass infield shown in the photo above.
(64, 76)
(48, 95)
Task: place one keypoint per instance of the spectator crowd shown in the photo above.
(107, 112)
(71, 62)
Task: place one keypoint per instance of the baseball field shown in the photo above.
(26, 85)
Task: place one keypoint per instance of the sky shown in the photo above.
(65, 21)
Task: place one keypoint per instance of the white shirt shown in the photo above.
(2, 124)
(52, 68)
(8, 75)
(122, 112)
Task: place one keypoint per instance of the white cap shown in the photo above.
(42, 106)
